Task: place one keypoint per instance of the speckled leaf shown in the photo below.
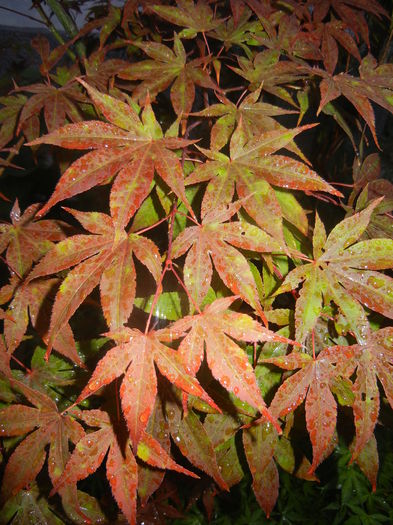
(70, 252)
(28, 240)
(347, 232)
(147, 253)
(15, 328)
(78, 284)
(368, 462)
(24, 463)
(194, 17)
(366, 403)
(138, 390)
(319, 237)
(227, 361)
(373, 289)
(309, 304)
(131, 187)
(117, 287)
(115, 110)
(150, 451)
(94, 168)
(372, 254)
(122, 474)
(58, 105)
(321, 412)
(354, 313)
(213, 237)
(135, 356)
(259, 444)
(168, 67)
(150, 478)
(28, 457)
(253, 168)
(143, 140)
(87, 135)
(17, 420)
(194, 443)
(112, 365)
(87, 456)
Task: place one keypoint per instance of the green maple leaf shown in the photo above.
(343, 271)
(267, 69)
(196, 18)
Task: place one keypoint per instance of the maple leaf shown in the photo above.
(46, 426)
(191, 438)
(104, 257)
(214, 238)
(259, 445)
(254, 168)
(89, 453)
(267, 69)
(168, 67)
(9, 115)
(343, 271)
(26, 239)
(350, 12)
(227, 361)
(380, 225)
(130, 146)
(135, 357)
(196, 18)
(311, 382)
(371, 360)
(326, 35)
(29, 505)
(375, 84)
(121, 467)
(58, 104)
(256, 118)
(36, 298)
(239, 30)
(150, 478)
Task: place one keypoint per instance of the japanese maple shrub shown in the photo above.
(188, 250)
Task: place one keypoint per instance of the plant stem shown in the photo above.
(67, 22)
(53, 30)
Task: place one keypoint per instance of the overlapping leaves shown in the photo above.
(130, 145)
(254, 168)
(168, 67)
(105, 257)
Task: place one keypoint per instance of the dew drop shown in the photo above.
(225, 381)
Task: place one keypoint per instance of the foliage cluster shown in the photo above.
(206, 280)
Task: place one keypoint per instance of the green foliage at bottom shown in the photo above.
(343, 496)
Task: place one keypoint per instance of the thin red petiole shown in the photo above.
(139, 232)
(313, 343)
